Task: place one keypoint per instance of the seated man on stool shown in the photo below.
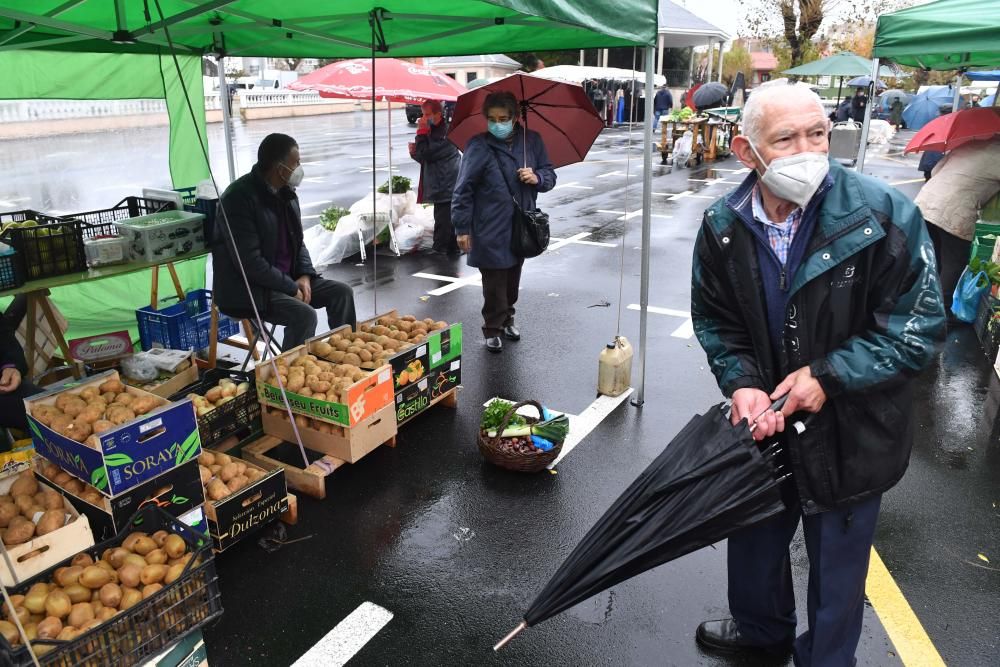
(264, 216)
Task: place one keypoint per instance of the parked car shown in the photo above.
(413, 112)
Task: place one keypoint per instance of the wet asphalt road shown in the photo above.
(456, 549)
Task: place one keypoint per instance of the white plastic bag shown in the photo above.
(326, 247)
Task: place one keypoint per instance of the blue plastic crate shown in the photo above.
(184, 326)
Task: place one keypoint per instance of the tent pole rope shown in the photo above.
(628, 174)
(225, 223)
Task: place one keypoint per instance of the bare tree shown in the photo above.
(797, 22)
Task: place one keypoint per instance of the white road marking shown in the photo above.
(573, 184)
(474, 280)
(310, 217)
(611, 173)
(688, 193)
(361, 157)
(347, 638)
(685, 330)
(315, 179)
(580, 425)
(912, 180)
(628, 216)
(578, 240)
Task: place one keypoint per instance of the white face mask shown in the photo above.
(295, 178)
(795, 178)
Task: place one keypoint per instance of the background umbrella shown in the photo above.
(710, 95)
(863, 81)
(709, 481)
(560, 112)
(990, 101)
(926, 106)
(945, 133)
(888, 97)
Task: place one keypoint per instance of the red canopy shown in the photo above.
(950, 131)
(560, 112)
(395, 80)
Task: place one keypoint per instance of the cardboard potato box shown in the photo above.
(45, 551)
(440, 348)
(356, 404)
(346, 444)
(415, 398)
(177, 491)
(248, 510)
(129, 454)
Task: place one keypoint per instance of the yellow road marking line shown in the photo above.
(912, 644)
(912, 180)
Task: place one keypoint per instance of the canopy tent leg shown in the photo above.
(860, 164)
(840, 86)
(647, 209)
(226, 120)
(393, 245)
(958, 92)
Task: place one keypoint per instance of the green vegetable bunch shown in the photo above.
(680, 115)
(400, 185)
(992, 269)
(331, 216)
(495, 412)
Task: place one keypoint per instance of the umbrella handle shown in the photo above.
(776, 406)
(510, 635)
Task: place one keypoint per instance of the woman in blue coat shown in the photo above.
(504, 163)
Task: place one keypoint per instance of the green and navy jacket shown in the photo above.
(863, 309)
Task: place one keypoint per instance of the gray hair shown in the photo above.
(779, 90)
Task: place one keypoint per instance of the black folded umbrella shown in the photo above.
(710, 95)
(710, 481)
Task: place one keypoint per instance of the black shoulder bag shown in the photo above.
(530, 234)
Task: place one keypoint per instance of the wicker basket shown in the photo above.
(491, 451)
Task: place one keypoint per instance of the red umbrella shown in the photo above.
(560, 112)
(952, 130)
(395, 80)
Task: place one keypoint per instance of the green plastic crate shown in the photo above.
(991, 210)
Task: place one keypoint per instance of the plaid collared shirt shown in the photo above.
(780, 234)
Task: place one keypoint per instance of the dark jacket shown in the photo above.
(11, 353)
(663, 101)
(255, 214)
(482, 205)
(865, 314)
(439, 161)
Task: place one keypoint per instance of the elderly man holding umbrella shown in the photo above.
(819, 283)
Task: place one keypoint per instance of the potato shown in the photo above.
(10, 633)
(61, 478)
(8, 512)
(129, 575)
(143, 545)
(91, 624)
(92, 413)
(215, 468)
(213, 394)
(74, 407)
(174, 545)
(70, 575)
(17, 601)
(205, 473)
(153, 574)
(151, 590)
(111, 595)
(93, 497)
(25, 484)
(81, 613)
(229, 471)
(217, 489)
(124, 399)
(206, 458)
(107, 613)
(94, 577)
(160, 537)
(144, 404)
(18, 532)
(113, 386)
(24, 503)
(119, 415)
(174, 573)
(253, 474)
(68, 633)
(237, 483)
(109, 397)
(64, 398)
(223, 459)
(50, 521)
(78, 593)
(295, 383)
(156, 557)
(74, 486)
(58, 604)
(49, 628)
(228, 390)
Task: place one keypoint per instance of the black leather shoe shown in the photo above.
(724, 636)
(511, 332)
(494, 344)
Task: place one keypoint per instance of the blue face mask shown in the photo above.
(500, 130)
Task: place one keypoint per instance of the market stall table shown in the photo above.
(672, 130)
(38, 290)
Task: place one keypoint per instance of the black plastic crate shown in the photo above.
(240, 416)
(27, 214)
(52, 248)
(11, 271)
(150, 627)
(130, 207)
(207, 207)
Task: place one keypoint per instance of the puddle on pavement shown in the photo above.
(596, 610)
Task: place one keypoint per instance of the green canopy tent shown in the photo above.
(840, 65)
(103, 76)
(355, 28)
(942, 35)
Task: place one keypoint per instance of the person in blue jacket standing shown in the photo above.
(505, 163)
